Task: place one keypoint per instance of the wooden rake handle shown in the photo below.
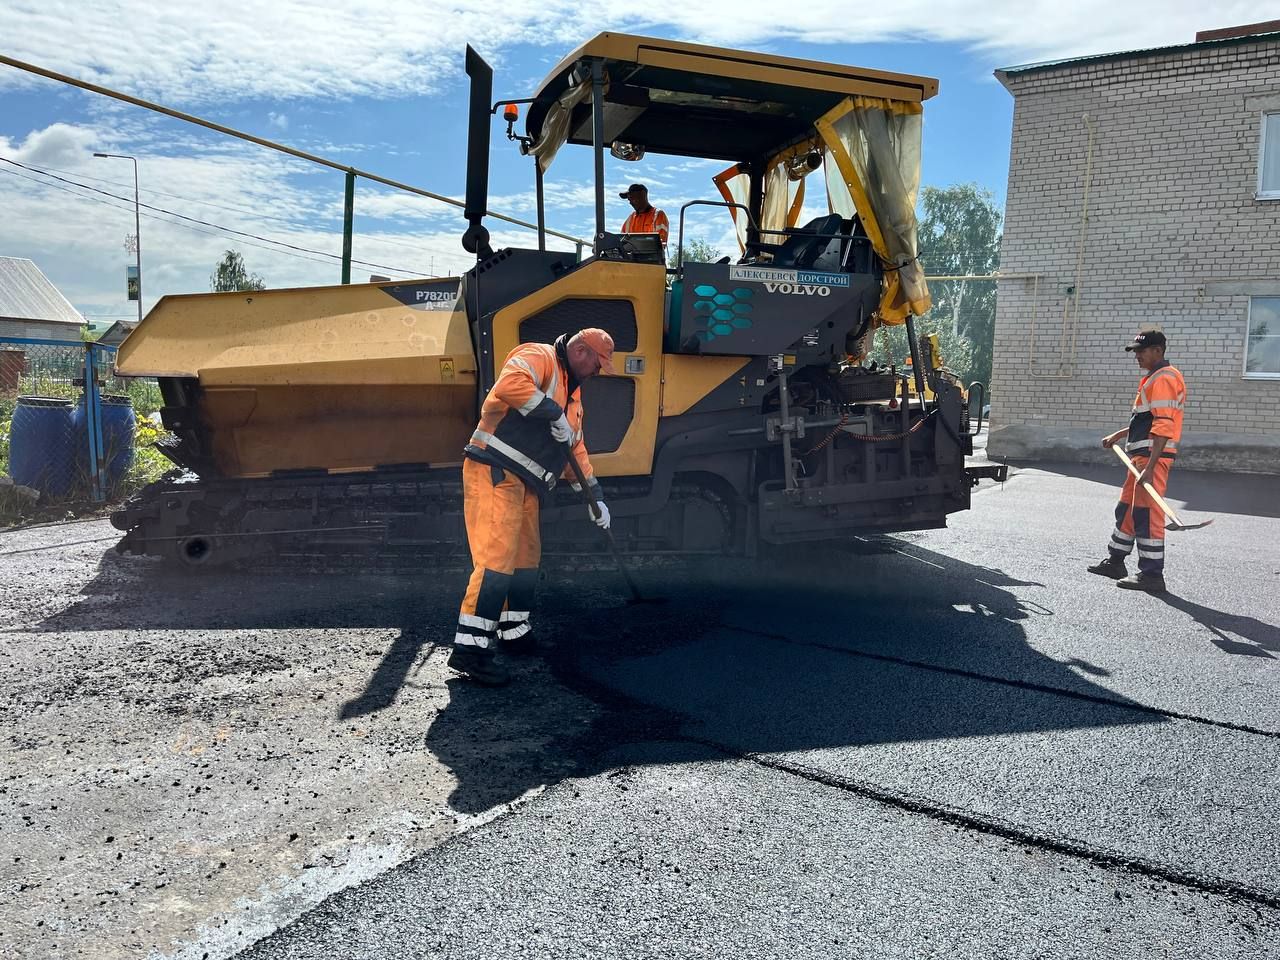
(1175, 523)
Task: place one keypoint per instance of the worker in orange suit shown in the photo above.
(644, 217)
(530, 424)
(1151, 440)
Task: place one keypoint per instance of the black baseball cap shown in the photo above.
(1148, 338)
(631, 189)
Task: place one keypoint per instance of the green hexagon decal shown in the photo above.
(721, 313)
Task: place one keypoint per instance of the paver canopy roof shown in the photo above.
(692, 100)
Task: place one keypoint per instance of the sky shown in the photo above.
(380, 86)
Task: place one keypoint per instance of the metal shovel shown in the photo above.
(636, 596)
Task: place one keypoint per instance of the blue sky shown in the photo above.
(379, 86)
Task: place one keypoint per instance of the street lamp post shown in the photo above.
(137, 223)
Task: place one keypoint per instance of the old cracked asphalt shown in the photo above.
(946, 744)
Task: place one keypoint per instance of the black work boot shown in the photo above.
(479, 664)
(1150, 582)
(1112, 567)
(520, 646)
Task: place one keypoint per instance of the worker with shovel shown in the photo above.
(1152, 442)
(530, 425)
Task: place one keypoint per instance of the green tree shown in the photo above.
(959, 235)
(697, 250)
(231, 274)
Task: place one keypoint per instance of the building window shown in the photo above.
(1269, 158)
(1262, 345)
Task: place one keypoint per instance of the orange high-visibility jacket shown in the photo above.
(1157, 411)
(652, 220)
(514, 432)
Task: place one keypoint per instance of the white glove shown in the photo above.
(602, 521)
(560, 431)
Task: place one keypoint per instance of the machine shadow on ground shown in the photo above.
(843, 650)
(885, 642)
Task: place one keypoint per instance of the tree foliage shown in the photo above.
(959, 235)
(231, 274)
(697, 250)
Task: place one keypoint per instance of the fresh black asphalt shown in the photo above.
(951, 744)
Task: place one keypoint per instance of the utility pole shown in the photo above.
(137, 221)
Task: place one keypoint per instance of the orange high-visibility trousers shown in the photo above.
(1139, 519)
(501, 515)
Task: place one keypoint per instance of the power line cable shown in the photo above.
(225, 229)
(175, 223)
(418, 247)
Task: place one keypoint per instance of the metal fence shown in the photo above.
(69, 428)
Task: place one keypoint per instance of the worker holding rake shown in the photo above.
(530, 427)
(1151, 440)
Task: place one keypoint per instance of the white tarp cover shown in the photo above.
(555, 126)
(876, 145)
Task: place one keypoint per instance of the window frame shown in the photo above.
(1260, 193)
(1248, 328)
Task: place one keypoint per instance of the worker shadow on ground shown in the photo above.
(1248, 494)
(833, 652)
(1230, 632)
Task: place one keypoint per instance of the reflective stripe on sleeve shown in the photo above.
(532, 403)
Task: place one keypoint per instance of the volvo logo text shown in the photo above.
(799, 289)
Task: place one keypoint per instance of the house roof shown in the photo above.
(27, 294)
(1267, 32)
(114, 335)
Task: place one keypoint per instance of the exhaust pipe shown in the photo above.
(476, 238)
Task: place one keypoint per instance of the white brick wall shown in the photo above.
(1171, 209)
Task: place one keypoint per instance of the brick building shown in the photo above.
(1144, 190)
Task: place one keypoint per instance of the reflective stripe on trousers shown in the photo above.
(1140, 521)
(503, 534)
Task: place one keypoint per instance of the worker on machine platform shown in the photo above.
(1152, 441)
(644, 218)
(530, 424)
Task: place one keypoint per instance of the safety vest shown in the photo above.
(1157, 411)
(514, 431)
(652, 220)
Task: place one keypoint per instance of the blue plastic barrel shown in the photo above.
(118, 437)
(42, 450)
(119, 433)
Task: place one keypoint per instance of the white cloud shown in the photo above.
(57, 145)
(236, 52)
(187, 54)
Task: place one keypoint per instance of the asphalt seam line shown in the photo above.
(992, 826)
(1007, 682)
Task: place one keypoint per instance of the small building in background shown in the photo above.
(31, 306)
(114, 335)
(1144, 191)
